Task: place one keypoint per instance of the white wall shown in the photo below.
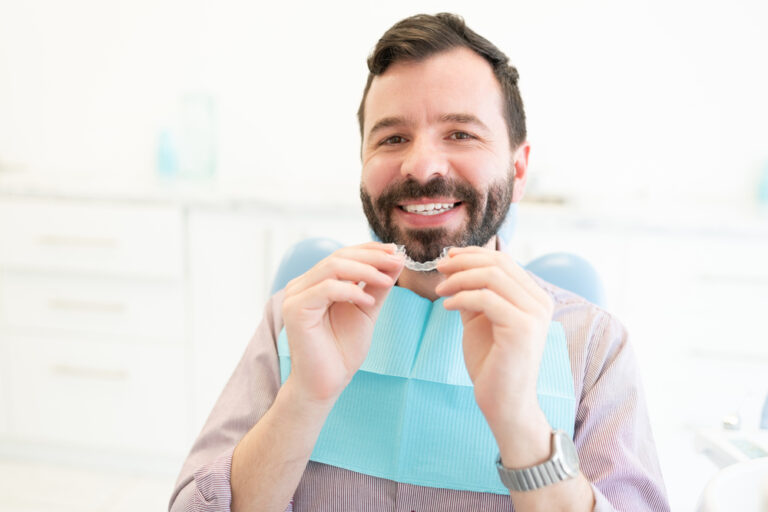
(650, 101)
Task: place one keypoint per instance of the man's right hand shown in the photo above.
(329, 319)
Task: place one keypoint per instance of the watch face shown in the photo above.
(568, 455)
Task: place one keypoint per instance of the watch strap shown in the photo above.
(535, 477)
(557, 468)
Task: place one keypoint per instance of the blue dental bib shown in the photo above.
(409, 414)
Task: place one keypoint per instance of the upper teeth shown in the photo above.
(428, 209)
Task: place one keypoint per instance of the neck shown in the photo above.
(424, 283)
(421, 283)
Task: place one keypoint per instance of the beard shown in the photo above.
(485, 214)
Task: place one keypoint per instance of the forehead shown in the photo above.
(454, 81)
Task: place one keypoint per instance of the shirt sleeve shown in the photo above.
(204, 482)
(613, 434)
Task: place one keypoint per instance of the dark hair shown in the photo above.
(421, 36)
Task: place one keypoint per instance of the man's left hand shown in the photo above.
(506, 316)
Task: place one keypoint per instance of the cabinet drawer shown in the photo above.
(122, 307)
(50, 235)
(99, 394)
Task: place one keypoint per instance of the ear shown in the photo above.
(520, 164)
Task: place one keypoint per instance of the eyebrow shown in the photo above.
(456, 117)
(463, 118)
(387, 122)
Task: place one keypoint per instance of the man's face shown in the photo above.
(437, 165)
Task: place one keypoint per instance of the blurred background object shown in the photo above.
(157, 159)
(187, 149)
(742, 486)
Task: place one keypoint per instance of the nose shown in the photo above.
(424, 161)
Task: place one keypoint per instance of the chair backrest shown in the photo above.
(300, 258)
(565, 270)
(570, 272)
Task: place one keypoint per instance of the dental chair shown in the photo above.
(565, 270)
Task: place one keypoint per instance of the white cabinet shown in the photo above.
(93, 328)
(91, 237)
(97, 394)
(122, 308)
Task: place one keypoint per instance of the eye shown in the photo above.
(461, 136)
(393, 140)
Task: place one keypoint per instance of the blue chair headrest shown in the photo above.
(572, 273)
(300, 258)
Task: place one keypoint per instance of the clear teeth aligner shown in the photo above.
(419, 266)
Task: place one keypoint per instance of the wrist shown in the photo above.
(524, 439)
(515, 409)
(305, 402)
(504, 399)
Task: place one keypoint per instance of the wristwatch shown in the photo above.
(563, 464)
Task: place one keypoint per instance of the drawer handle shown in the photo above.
(89, 307)
(77, 241)
(86, 372)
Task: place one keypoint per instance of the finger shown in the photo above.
(373, 267)
(390, 247)
(325, 293)
(341, 270)
(467, 257)
(382, 256)
(380, 293)
(370, 246)
(494, 279)
(375, 253)
(499, 311)
(470, 257)
(468, 248)
(385, 261)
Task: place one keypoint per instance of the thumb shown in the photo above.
(379, 293)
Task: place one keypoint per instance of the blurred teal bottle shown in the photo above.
(186, 147)
(197, 136)
(167, 161)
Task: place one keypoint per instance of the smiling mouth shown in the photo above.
(429, 209)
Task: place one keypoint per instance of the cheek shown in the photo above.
(377, 174)
(478, 171)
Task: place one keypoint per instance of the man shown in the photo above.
(444, 153)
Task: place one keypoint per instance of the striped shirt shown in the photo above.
(612, 432)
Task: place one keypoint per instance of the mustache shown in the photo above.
(436, 187)
(485, 211)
